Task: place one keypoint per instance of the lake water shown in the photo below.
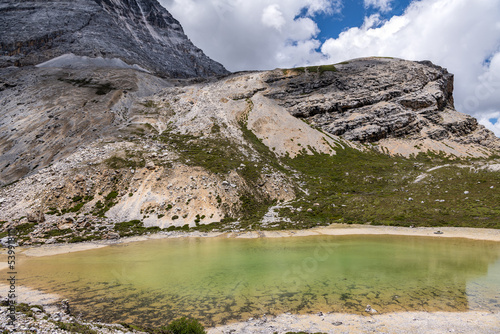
(218, 280)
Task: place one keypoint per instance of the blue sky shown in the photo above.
(460, 35)
(352, 15)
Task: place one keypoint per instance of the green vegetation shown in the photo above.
(24, 229)
(179, 326)
(101, 208)
(302, 333)
(219, 155)
(131, 160)
(112, 195)
(369, 187)
(26, 309)
(149, 104)
(134, 227)
(312, 69)
(90, 237)
(185, 326)
(74, 327)
(57, 232)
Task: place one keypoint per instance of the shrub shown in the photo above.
(185, 326)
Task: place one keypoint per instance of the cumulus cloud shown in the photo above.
(273, 17)
(382, 5)
(257, 34)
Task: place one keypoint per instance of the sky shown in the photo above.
(460, 35)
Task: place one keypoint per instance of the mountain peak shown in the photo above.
(139, 32)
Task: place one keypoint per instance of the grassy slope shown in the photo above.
(357, 187)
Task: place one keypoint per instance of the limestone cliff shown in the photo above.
(404, 106)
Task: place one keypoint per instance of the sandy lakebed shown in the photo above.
(400, 322)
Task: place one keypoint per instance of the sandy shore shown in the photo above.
(404, 322)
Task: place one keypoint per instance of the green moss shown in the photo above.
(53, 211)
(26, 309)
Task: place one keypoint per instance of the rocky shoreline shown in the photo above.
(56, 319)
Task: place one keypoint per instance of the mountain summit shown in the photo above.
(139, 32)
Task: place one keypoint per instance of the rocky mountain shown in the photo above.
(90, 153)
(403, 106)
(139, 32)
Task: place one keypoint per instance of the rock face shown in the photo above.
(138, 32)
(47, 113)
(379, 99)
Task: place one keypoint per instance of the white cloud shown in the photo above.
(256, 34)
(273, 17)
(382, 5)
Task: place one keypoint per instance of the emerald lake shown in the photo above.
(219, 280)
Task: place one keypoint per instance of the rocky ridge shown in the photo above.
(383, 100)
(138, 32)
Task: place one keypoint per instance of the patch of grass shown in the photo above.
(134, 227)
(77, 198)
(313, 69)
(26, 309)
(112, 195)
(303, 333)
(57, 232)
(219, 156)
(101, 208)
(53, 211)
(74, 327)
(185, 326)
(132, 160)
(368, 187)
(25, 228)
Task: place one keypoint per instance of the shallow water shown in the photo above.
(218, 280)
